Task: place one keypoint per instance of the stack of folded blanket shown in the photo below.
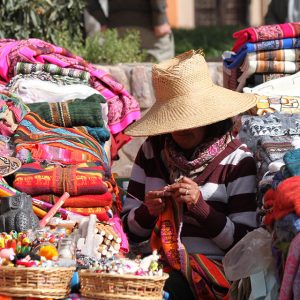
(261, 54)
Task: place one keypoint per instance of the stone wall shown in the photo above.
(137, 80)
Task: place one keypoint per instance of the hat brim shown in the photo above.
(210, 106)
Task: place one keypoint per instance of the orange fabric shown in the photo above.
(282, 201)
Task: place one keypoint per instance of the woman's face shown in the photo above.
(190, 138)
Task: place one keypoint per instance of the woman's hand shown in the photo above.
(155, 202)
(185, 191)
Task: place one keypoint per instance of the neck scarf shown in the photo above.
(178, 165)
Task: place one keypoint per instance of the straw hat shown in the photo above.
(187, 98)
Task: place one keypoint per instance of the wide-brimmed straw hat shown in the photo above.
(187, 98)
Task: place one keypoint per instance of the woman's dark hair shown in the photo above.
(218, 129)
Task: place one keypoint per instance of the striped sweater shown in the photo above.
(229, 189)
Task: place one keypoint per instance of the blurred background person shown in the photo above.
(147, 16)
(282, 11)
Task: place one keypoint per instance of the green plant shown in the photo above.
(212, 39)
(44, 19)
(109, 48)
(106, 47)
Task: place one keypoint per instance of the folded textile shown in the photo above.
(42, 178)
(265, 33)
(44, 141)
(230, 77)
(100, 134)
(276, 55)
(12, 111)
(235, 59)
(77, 112)
(16, 84)
(278, 87)
(123, 108)
(81, 201)
(27, 68)
(100, 212)
(249, 68)
(257, 79)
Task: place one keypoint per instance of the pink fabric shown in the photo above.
(290, 271)
(265, 33)
(116, 222)
(123, 108)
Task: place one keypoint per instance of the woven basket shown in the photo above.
(103, 286)
(35, 282)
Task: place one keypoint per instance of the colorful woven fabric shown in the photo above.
(236, 59)
(276, 55)
(265, 33)
(100, 212)
(77, 112)
(81, 201)
(26, 68)
(49, 142)
(206, 277)
(123, 108)
(39, 178)
(12, 111)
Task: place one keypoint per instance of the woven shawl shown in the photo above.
(77, 112)
(49, 142)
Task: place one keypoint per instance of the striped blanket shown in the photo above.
(37, 140)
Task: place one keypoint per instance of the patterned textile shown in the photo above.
(102, 200)
(77, 112)
(49, 142)
(249, 68)
(12, 111)
(275, 124)
(100, 212)
(178, 165)
(13, 83)
(98, 133)
(270, 150)
(283, 200)
(205, 276)
(42, 178)
(265, 33)
(123, 108)
(230, 77)
(275, 55)
(283, 104)
(26, 68)
(289, 288)
(236, 59)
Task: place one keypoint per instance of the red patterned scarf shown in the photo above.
(205, 276)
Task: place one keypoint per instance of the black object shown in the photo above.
(16, 213)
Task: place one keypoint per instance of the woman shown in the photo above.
(192, 187)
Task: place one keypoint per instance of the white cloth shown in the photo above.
(285, 86)
(36, 90)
